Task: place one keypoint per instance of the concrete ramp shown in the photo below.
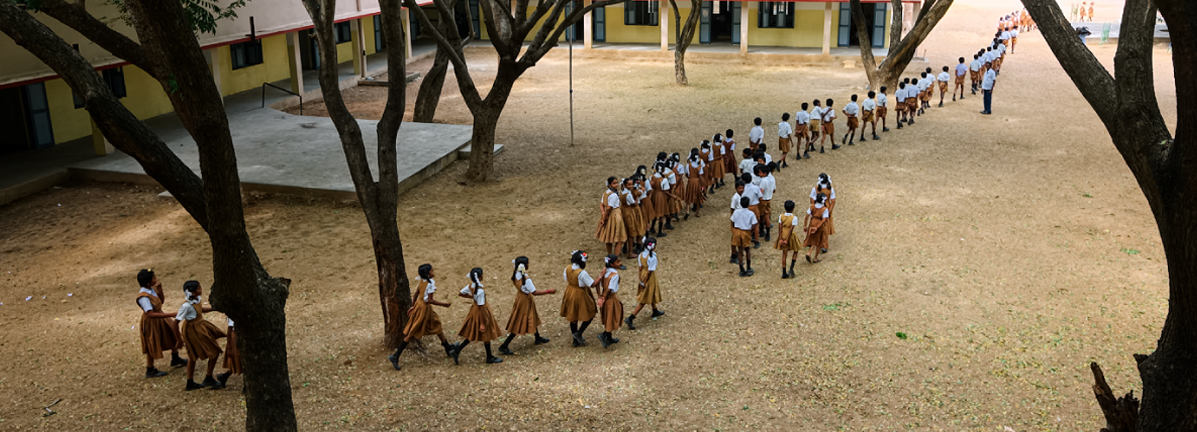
(283, 153)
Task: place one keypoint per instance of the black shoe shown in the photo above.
(785, 164)
(191, 385)
(661, 234)
(792, 275)
(835, 147)
(883, 129)
(985, 112)
(628, 321)
(767, 237)
(756, 245)
(749, 272)
(734, 260)
(876, 138)
(394, 361)
(606, 342)
(822, 250)
(910, 122)
(212, 383)
(505, 351)
(579, 340)
(743, 273)
(154, 373)
(493, 360)
(613, 340)
(953, 99)
(941, 103)
(899, 125)
(540, 341)
(844, 140)
(853, 143)
(224, 377)
(657, 313)
(668, 225)
(821, 150)
(863, 139)
(449, 348)
(784, 275)
(806, 155)
(456, 353)
(177, 361)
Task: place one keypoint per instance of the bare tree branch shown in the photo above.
(76, 16)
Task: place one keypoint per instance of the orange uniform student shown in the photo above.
(883, 107)
(159, 330)
(744, 223)
(693, 192)
(828, 121)
(730, 144)
(717, 162)
(785, 138)
(232, 355)
(199, 336)
(578, 304)
(479, 324)
(816, 235)
(868, 108)
(629, 209)
(649, 292)
(421, 319)
(611, 229)
(851, 111)
(787, 239)
(608, 300)
(524, 318)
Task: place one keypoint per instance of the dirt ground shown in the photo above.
(1011, 249)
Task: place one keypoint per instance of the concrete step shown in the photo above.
(463, 153)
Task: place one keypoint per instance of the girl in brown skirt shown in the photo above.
(578, 305)
(644, 201)
(718, 162)
(159, 330)
(524, 319)
(694, 189)
(630, 212)
(816, 237)
(611, 229)
(608, 300)
(199, 336)
(787, 239)
(649, 292)
(662, 197)
(421, 319)
(730, 144)
(705, 155)
(823, 186)
(232, 356)
(479, 325)
(678, 183)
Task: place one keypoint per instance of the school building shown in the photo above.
(271, 41)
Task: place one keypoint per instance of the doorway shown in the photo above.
(874, 14)
(25, 119)
(719, 22)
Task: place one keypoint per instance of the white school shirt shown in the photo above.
(187, 309)
(756, 134)
(814, 192)
(1001, 49)
(793, 222)
(145, 303)
(722, 150)
(826, 214)
(869, 105)
(1005, 35)
(731, 148)
(816, 113)
(479, 294)
(975, 66)
(784, 130)
(648, 187)
(801, 117)
(912, 91)
(1014, 32)
(828, 114)
(743, 219)
(768, 185)
(753, 192)
(430, 289)
(695, 166)
(650, 260)
(584, 279)
(230, 322)
(944, 77)
(628, 197)
(747, 164)
(882, 100)
(961, 68)
(852, 109)
(613, 282)
(987, 82)
(613, 200)
(900, 95)
(528, 287)
(924, 83)
(664, 181)
(671, 176)
(735, 204)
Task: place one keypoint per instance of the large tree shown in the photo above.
(508, 30)
(1165, 165)
(169, 51)
(901, 49)
(429, 95)
(379, 198)
(684, 36)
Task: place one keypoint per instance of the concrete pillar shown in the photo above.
(295, 62)
(744, 26)
(213, 58)
(357, 40)
(827, 28)
(587, 27)
(664, 20)
(99, 143)
(407, 32)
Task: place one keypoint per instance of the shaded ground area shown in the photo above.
(1011, 249)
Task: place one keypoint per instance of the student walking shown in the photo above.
(784, 138)
(961, 70)
(816, 235)
(611, 229)
(851, 111)
(608, 300)
(524, 318)
(199, 336)
(159, 330)
(649, 292)
(744, 223)
(479, 324)
(578, 304)
(787, 239)
(868, 107)
(882, 108)
(421, 319)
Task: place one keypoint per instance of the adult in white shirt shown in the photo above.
(987, 89)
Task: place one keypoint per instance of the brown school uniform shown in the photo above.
(661, 205)
(232, 355)
(729, 157)
(524, 319)
(741, 238)
(707, 178)
(867, 117)
(158, 334)
(649, 292)
(816, 235)
(783, 144)
(694, 187)
(788, 231)
(829, 127)
(830, 203)
(199, 336)
(421, 319)
(853, 122)
(612, 307)
(718, 166)
(678, 203)
(647, 210)
(577, 304)
(633, 227)
(614, 230)
(479, 316)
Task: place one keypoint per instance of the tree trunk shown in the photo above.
(901, 50)
(486, 119)
(679, 66)
(429, 95)
(866, 45)
(896, 22)
(684, 36)
(262, 340)
(394, 289)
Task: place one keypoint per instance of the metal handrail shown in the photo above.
(283, 89)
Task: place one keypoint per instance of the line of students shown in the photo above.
(160, 332)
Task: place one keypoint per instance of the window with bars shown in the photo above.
(344, 33)
(246, 54)
(644, 13)
(115, 78)
(775, 15)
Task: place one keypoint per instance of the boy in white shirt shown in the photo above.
(816, 122)
(753, 193)
(943, 79)
(756, 135)
(974, 71)
(882, 109)
(802, 130)
(828, 126)
(784, 138)
(744, 224)
(868, 107)
(736, 205)
(767, 185)
(900, 97)
(747, 162)
(851, 110)
(961, 70)
(924, 84)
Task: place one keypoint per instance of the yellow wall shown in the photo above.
(368, 28)
(273, 68)
(144, 99)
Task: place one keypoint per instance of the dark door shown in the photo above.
(879, 25)
(13, 121)
(574, 32)
(735, 14)
(309, 54)
(379, 44)
(600, 24)
(847, 29)
(463, 18)
(38, 107)
(704, 24)
(475, 13)
(723, 21)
